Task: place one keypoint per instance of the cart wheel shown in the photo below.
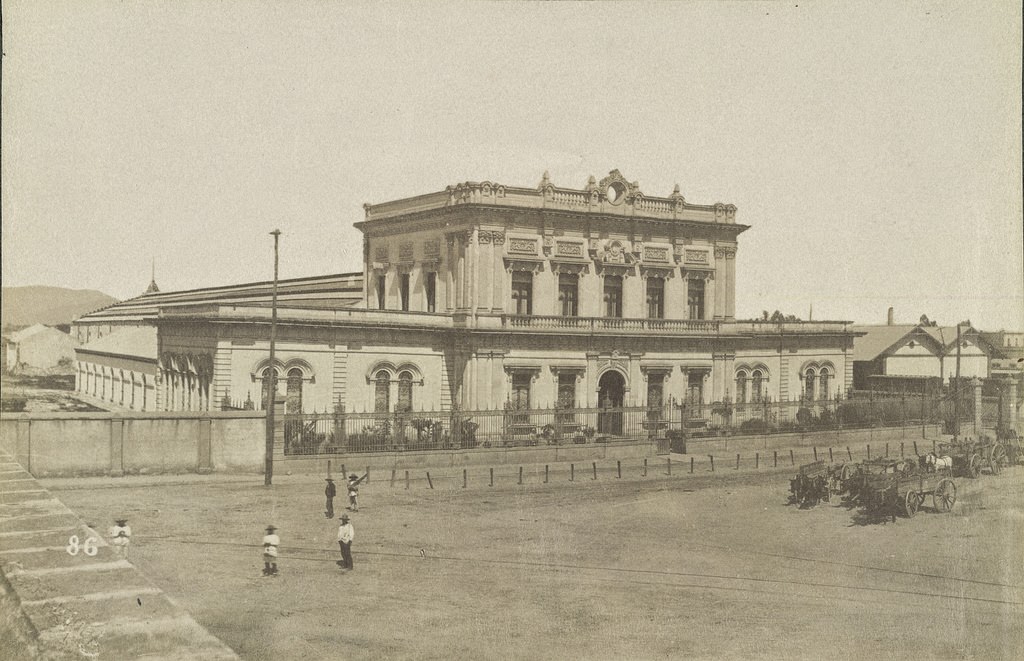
(910, 503)
(974, 466)
(999, 460)
(944, 495)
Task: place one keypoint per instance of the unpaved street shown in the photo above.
(683, 567)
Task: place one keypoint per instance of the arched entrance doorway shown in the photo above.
(611, 390)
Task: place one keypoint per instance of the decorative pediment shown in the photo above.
(616, 189)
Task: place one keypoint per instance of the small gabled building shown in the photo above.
(38, 347)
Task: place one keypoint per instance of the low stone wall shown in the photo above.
(70, 444)
(388, 461)
(838, 438)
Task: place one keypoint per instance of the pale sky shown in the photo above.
(874, 147)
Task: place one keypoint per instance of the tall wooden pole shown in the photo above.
(956, 391)
(268, 474)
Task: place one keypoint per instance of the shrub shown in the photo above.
(13, 405)
(753, 426)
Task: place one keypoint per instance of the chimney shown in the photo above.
(889, 322)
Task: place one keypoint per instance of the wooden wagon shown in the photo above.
(1012, 444)
(854, 477)
(894, 494)
(971, 456)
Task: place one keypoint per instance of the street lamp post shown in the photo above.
(268, 474)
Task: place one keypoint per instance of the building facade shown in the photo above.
(486, 296)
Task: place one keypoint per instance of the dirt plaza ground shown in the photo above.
(687, 566)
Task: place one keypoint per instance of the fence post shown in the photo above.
(830, 456)
(775, 458)
(463, 478)
(869, 451)
(792, 462)
(618, 468)
(670, 465)
(367, 474)
(572, 472)
(594, 464)
(328, 468)
(815, 452)
(737, 462)
(848, 453)
(406, 479)
(757, 460)
(492, 477)
(344, 473)
(430, 482)
(887, 449)
(392, 482)
(901, 449)
(712, 462)
(934, 447)
(645, 466)
(545, 473)
(520, 475)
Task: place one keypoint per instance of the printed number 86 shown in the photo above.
(89, 546)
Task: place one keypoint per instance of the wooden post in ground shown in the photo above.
(391, 484)
(492, 477)
(901, 449)
(344, 473)
(757, 460)
(595, 469)
(815, 452)
(367, 478)
(464, 478)
(830, 455)
(792, 461)
(737, 462)
(328, 468)
(848, 453)
(545, 473)
(572, 472)
(691, 464)
(618, 468)
(887, 449)
(406, 479)
(775, 458)
(645, 466)
(520, 475)
(869, 451)
(712, 462)
(670, 465)
(430, 482)
(915, 447)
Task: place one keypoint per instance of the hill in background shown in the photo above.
(24, 306)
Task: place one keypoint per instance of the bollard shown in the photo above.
(492, 478)
(757, 460)
(670, 465)
(712, 462)
(792, 462)
(775, 458)
(392, 482)
(645, 466)
(594, 464)
(848, 453)
(545, 473)
(691, 464)
(520, 475)
(830, 455)
(815, 453)
(618, 468)
(869, 451)
(915, 448)
(430, 482)
(406, 479)
(737, 462)
(463, 478)
(572, 472)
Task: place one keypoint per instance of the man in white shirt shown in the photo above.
(120, 537)
(346, 533)
(270, 544)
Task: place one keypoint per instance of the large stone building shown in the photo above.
(491, 296)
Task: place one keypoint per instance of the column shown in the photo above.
(450, 266)
(730, 291)
(721, 283)
(498, 285)
(484, 300)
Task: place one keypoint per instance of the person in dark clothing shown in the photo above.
(330, 491)
(346, 535)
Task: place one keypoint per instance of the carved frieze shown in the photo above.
(380, 253)
(406, 251)
(724, 252)
(432, 249)
(569, 249)
(483, 236)
(655, 254)
(696, 256)
(498, 238)
(522, 246)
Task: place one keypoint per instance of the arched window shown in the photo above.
(756, 387)
(741, 387)
(382, 393)
(823, 383)
(405, 392)
(809, 384)
(293, 401)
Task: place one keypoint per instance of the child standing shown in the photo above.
(353, 492)
(270, 544)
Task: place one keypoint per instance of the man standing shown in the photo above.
(345, 536)
(270, 544)
(120, 537)
(330, 491)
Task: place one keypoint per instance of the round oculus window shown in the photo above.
(616, 192)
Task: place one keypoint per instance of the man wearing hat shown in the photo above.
(270, 543)
(346, 533)
(353, 492)
(120, 537)
(330, 491)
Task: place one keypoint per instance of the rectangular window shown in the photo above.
(522, 292)
(613, 295)
(404, 283)
(431, 290)
(655, 298)
(695, 297)
(568, 294)
(381, 291)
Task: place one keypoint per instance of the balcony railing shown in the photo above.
(610, 324)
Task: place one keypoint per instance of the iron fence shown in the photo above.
(669, 425)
